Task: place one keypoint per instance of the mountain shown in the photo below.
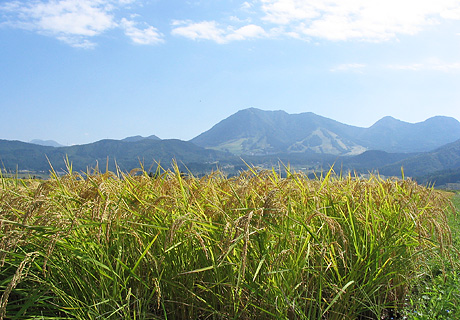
(127, 155)
(444, 158)
(47, 143)
(306, 141)
(392, 135)
(139, 138)
(257, 132)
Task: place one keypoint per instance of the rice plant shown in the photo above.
(256, 246)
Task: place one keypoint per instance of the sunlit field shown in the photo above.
(256, 246)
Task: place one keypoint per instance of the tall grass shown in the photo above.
(257, 246)
(437, 293)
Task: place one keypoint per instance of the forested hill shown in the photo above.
(127, 155)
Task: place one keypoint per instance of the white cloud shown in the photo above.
(235, 19)
(357, 19)
(149, 35)
(207, 30)
(246, 5)
(452, 13)
(71, 21)
(210, 30)
(246, 32)
(75, 22)
(77, 42)
(287, 11)
(79, 22)
(335, 20)
(354, 67)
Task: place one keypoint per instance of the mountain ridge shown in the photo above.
(125, 155)
(139, 138)
(256, 132)
(307, 141)
(443, 158)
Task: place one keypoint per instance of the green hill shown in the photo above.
(127, 155)
(444, 158)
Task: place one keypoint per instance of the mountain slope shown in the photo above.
(21, 155)
(444, 158)
(254, 131)
(246, 131)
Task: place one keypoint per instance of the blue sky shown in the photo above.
(77, 71)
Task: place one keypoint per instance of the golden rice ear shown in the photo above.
(18, 275)
(134, 171)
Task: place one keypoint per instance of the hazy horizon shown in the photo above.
(36, 140)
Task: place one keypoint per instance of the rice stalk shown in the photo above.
(130, 245)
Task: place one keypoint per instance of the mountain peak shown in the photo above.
(254, 109)
(388, 121)
(442, 120)
(46, 143)
(260, 112)
(139, 138)
(255, 131)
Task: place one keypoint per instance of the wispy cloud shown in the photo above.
(71, 21)
(357, 19)
(334, 20)
(349, 67)
(75, 22)
(79, 22)
(211, 30)
(148, 35)
(246, 5)
(432, 65)
(250, 31)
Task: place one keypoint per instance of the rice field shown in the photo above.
(115, 245)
